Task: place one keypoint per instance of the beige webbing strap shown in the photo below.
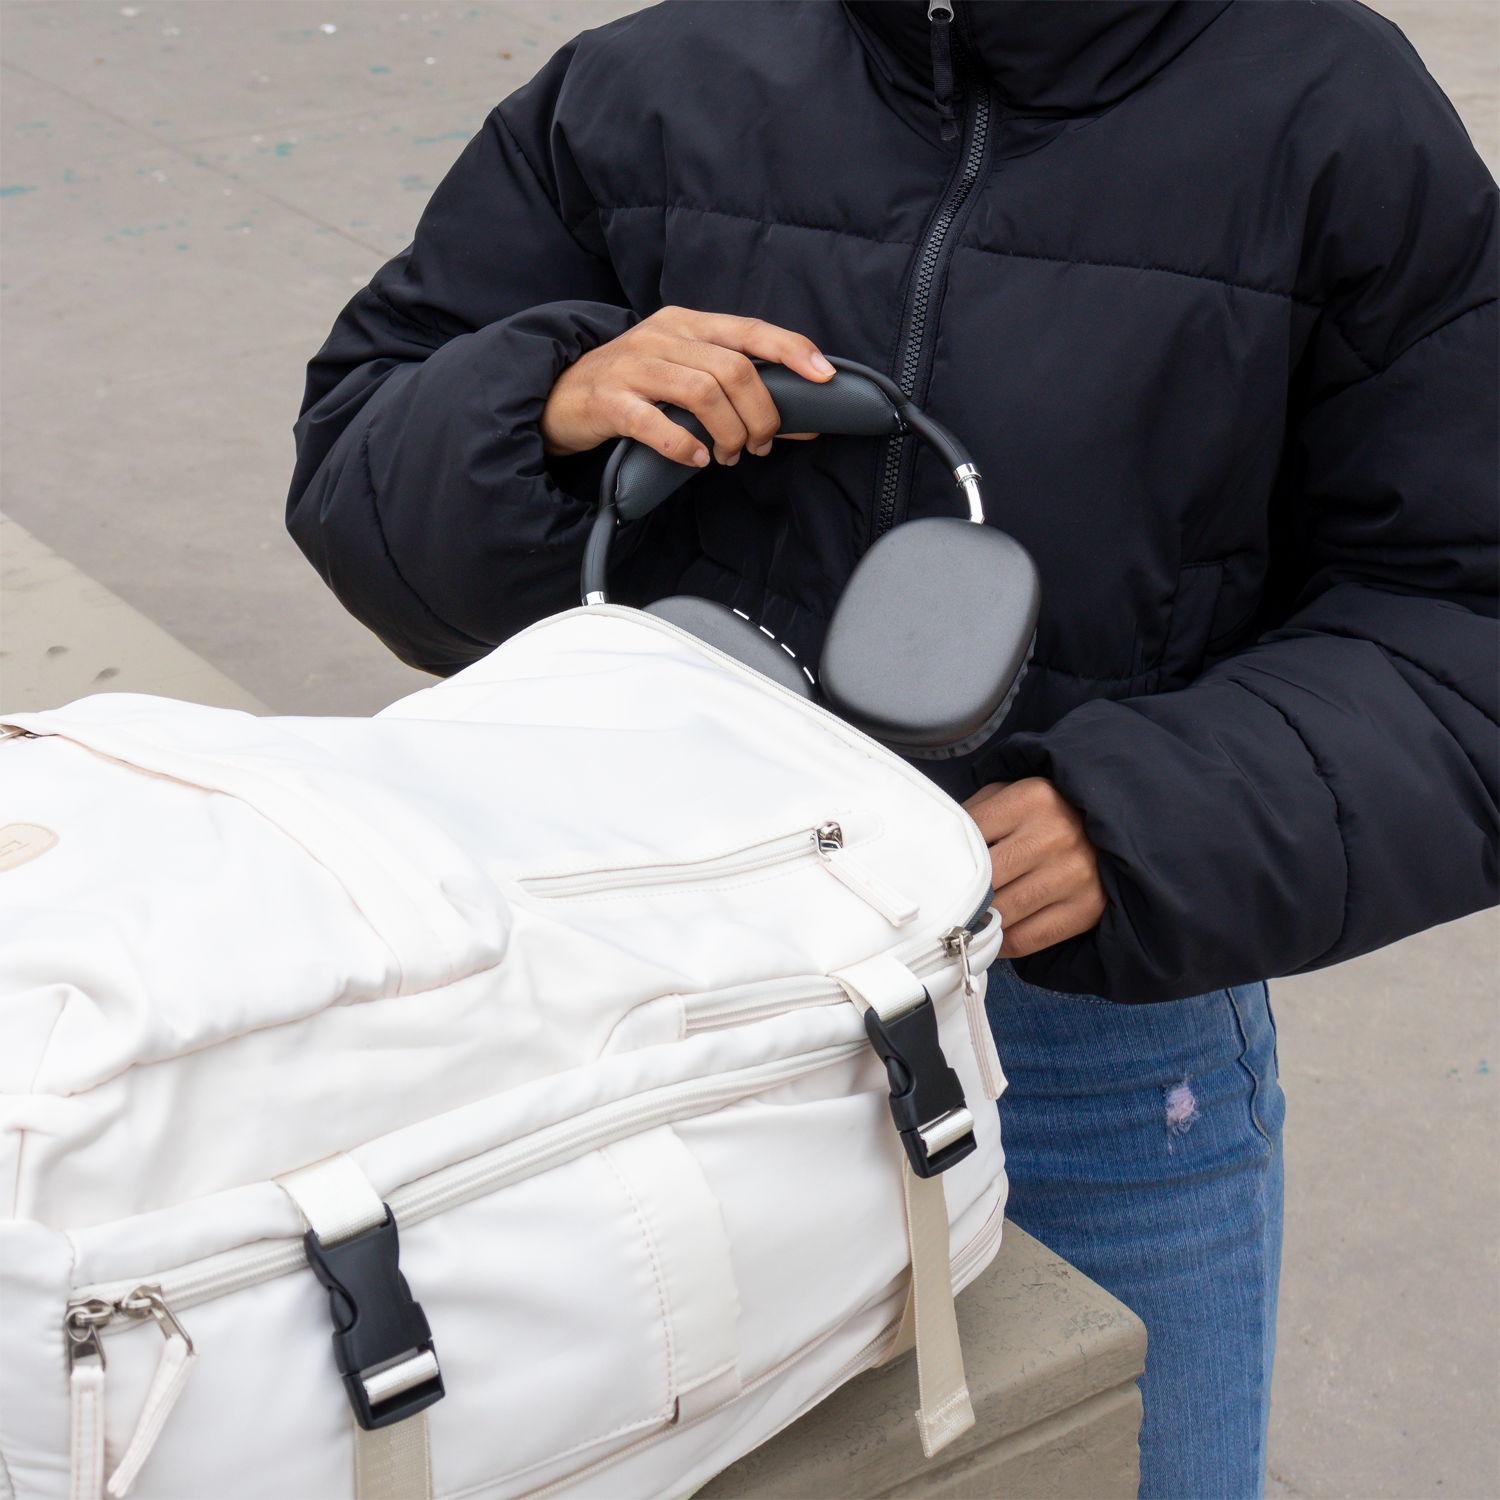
(906, 1331)
(945, 1410)
(889, 988)
(338, 1202)
(395, 1462)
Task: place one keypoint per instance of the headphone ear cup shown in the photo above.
(931, 636)
(735, 636)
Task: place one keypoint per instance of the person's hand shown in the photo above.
(1044, 870)
(698, 361)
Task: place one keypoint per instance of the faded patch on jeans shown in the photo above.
(1182, 1111)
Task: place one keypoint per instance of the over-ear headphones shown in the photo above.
(933, 631)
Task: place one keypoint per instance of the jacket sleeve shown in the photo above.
(1333, 787)
(420, 492)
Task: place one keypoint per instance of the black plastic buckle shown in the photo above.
(375, 1320)
(923, 1087)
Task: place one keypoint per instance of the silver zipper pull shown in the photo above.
(956, 945)
(991, 1075)
(148, 1302)
(82, 1324)
(830, 837)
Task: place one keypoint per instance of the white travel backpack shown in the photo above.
(523, 1092)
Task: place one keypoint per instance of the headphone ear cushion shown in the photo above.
(735, 636)
(931, 636)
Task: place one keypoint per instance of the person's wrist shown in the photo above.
(562, 433)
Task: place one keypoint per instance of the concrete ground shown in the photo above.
(192, 190)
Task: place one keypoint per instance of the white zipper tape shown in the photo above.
(449, 1187)
(742, 1005)
(436, 1193)
(797, 847)
(825, 842)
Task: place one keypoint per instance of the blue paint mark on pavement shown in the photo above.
(10, 192)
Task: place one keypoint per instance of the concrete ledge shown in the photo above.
(63, 636)
(1052, 1361)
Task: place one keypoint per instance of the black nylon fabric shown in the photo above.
(1217, 321)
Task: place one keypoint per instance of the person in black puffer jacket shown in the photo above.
(1209, 290)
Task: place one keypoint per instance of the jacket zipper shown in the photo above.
(823, 844)
(934, 253)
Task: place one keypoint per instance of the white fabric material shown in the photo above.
(693, 1259)
(176, 1363)
(509, 959)
(945, 1409)
(335, 1198)
(882, 984)
(895, 906)
(395, 1462)
(86, 1466)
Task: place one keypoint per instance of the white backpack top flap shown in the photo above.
(602, 819)
(653, 767)
(213, 873)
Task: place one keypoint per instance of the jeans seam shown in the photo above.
(1255, 1079)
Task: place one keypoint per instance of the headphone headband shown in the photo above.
(856, 402)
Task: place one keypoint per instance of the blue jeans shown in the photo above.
(1143, 1144)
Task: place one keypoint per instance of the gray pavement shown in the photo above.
(192, 190)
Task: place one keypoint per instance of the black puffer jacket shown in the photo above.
(1209, 291)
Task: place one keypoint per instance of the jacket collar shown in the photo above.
(1046, 57)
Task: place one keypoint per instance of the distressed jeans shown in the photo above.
(1143, 1144)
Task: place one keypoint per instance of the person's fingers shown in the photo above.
(742, 387)
(1044, 870)
(648, 424)
(994, 811)
(699, 361)
(700, 393)
(753, 337)
(1052, 924)
(1045, 885)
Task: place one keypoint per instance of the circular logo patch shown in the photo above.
(20, 842)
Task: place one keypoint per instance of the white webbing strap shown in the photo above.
(86, 1398)
(172, 1370)
(335, 1198)
(882, 984)
(395, 1462)
(338, 1202)
(945, 1410)
(890, 989)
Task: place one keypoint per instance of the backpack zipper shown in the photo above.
(823, 844)
(447, 1188)
(930, 261)
(94, 1310)
(746, 1004)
